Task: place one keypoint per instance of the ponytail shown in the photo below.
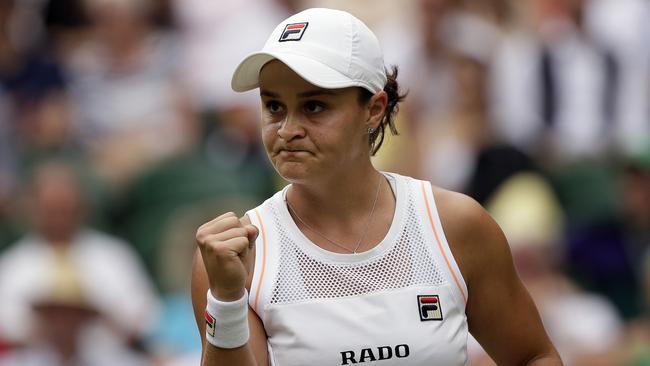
(376, 138)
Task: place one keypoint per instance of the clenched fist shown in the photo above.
(225, 244)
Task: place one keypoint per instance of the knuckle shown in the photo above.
(231, 221)
(200, 237)
(223, 215)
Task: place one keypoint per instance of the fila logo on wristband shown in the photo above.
(210, 324)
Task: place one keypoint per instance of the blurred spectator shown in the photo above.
(495, 165)
(215, 36)
(597, 246)
(8, 230)
(442, 54)
(585, 327)
(635, 194)
(133, 110)
(374, 13)
(65, 22)
(555, 89)
(623, 28)
(227, 166)
(449, 145)
(424, 53)
(28, 73)
(26, 65)
(44, 124)
(30, 77)
(43, 128)
(68, 293)
(552, 79)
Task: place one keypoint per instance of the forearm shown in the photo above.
(241, 356)
(231, 331)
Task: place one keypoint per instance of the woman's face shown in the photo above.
(310, 132)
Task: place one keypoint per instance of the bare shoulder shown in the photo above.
(454, 207)
(473, 236)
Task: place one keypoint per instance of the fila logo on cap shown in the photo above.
(293, 32)
(429, 307)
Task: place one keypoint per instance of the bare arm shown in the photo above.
(254, 352)
(500, 312)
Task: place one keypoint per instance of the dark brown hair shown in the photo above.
(395, 96)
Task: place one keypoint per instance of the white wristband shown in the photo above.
(226, 322)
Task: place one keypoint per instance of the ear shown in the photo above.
(376, 109)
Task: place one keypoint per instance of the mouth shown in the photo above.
(286, 151)
(292, 153)
(291, 150)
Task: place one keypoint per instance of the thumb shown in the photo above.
(252, 232)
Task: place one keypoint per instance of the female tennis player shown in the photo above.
(348, 265)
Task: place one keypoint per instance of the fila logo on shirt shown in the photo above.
(429, 307)
(293, 32)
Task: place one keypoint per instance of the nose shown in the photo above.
(291, 128)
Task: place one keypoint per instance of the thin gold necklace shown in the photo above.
(363, 234)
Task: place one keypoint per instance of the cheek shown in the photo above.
(353, 134)
(341, 147)
(269, 136)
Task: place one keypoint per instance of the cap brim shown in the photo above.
(246, 76)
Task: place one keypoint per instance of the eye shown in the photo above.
(273, 106)
(314, 106)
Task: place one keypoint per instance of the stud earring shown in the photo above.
(371, 130)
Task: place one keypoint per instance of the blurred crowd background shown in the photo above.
(119, 136)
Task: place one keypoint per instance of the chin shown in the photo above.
(292, 175)
(293, 172)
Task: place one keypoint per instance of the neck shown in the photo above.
(345, 214)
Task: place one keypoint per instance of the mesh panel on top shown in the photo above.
(408, 263)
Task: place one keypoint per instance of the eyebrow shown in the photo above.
(266, 93)
(306, 94)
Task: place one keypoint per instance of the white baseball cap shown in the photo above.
(329, 48)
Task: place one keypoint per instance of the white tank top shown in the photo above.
(401, 303)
